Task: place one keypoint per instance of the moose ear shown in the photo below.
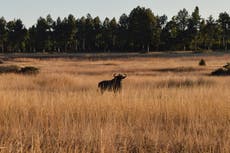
(114, 74)
(124, 75)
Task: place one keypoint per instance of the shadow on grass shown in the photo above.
(184, 83)
(28, 70)
(179, 69)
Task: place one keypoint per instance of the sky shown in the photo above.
(30, 10)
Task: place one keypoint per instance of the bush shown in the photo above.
(9, 69)
(29, 70)
(202, 62)
(221, 72)
(16, 69)
(225, 70)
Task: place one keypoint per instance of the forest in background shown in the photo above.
(141, 30)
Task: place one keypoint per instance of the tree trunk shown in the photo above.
(83, 44)
(114, 41)
(143, 47)
(223, 42)
(148, 48)
(226, 48)
(195, 44)
(2, 48)
(65, 47)
(76, 47)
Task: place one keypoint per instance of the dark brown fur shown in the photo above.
(112, 85)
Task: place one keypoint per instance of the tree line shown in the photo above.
(141, 30)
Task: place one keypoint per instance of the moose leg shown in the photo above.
(102, 91)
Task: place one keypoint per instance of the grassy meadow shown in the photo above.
(167, 105)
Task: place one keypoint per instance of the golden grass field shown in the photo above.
(167, 105)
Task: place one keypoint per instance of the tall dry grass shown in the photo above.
(60, 110)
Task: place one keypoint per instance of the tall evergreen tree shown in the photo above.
(89, 25)
(3, 34)
(113, 28)
(193, 28)
(106, 34)
(161, 23)
(211, 32)
(143, 33)
(43, 30)
(123, 33)
(70, 30)
(169, 35)
(224, 21)
(81, 33)
(31, 44)
(182, 20)
(97, 34)
(17, 35)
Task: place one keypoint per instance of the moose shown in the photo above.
(112, 85)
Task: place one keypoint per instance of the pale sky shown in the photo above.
(30, 10)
